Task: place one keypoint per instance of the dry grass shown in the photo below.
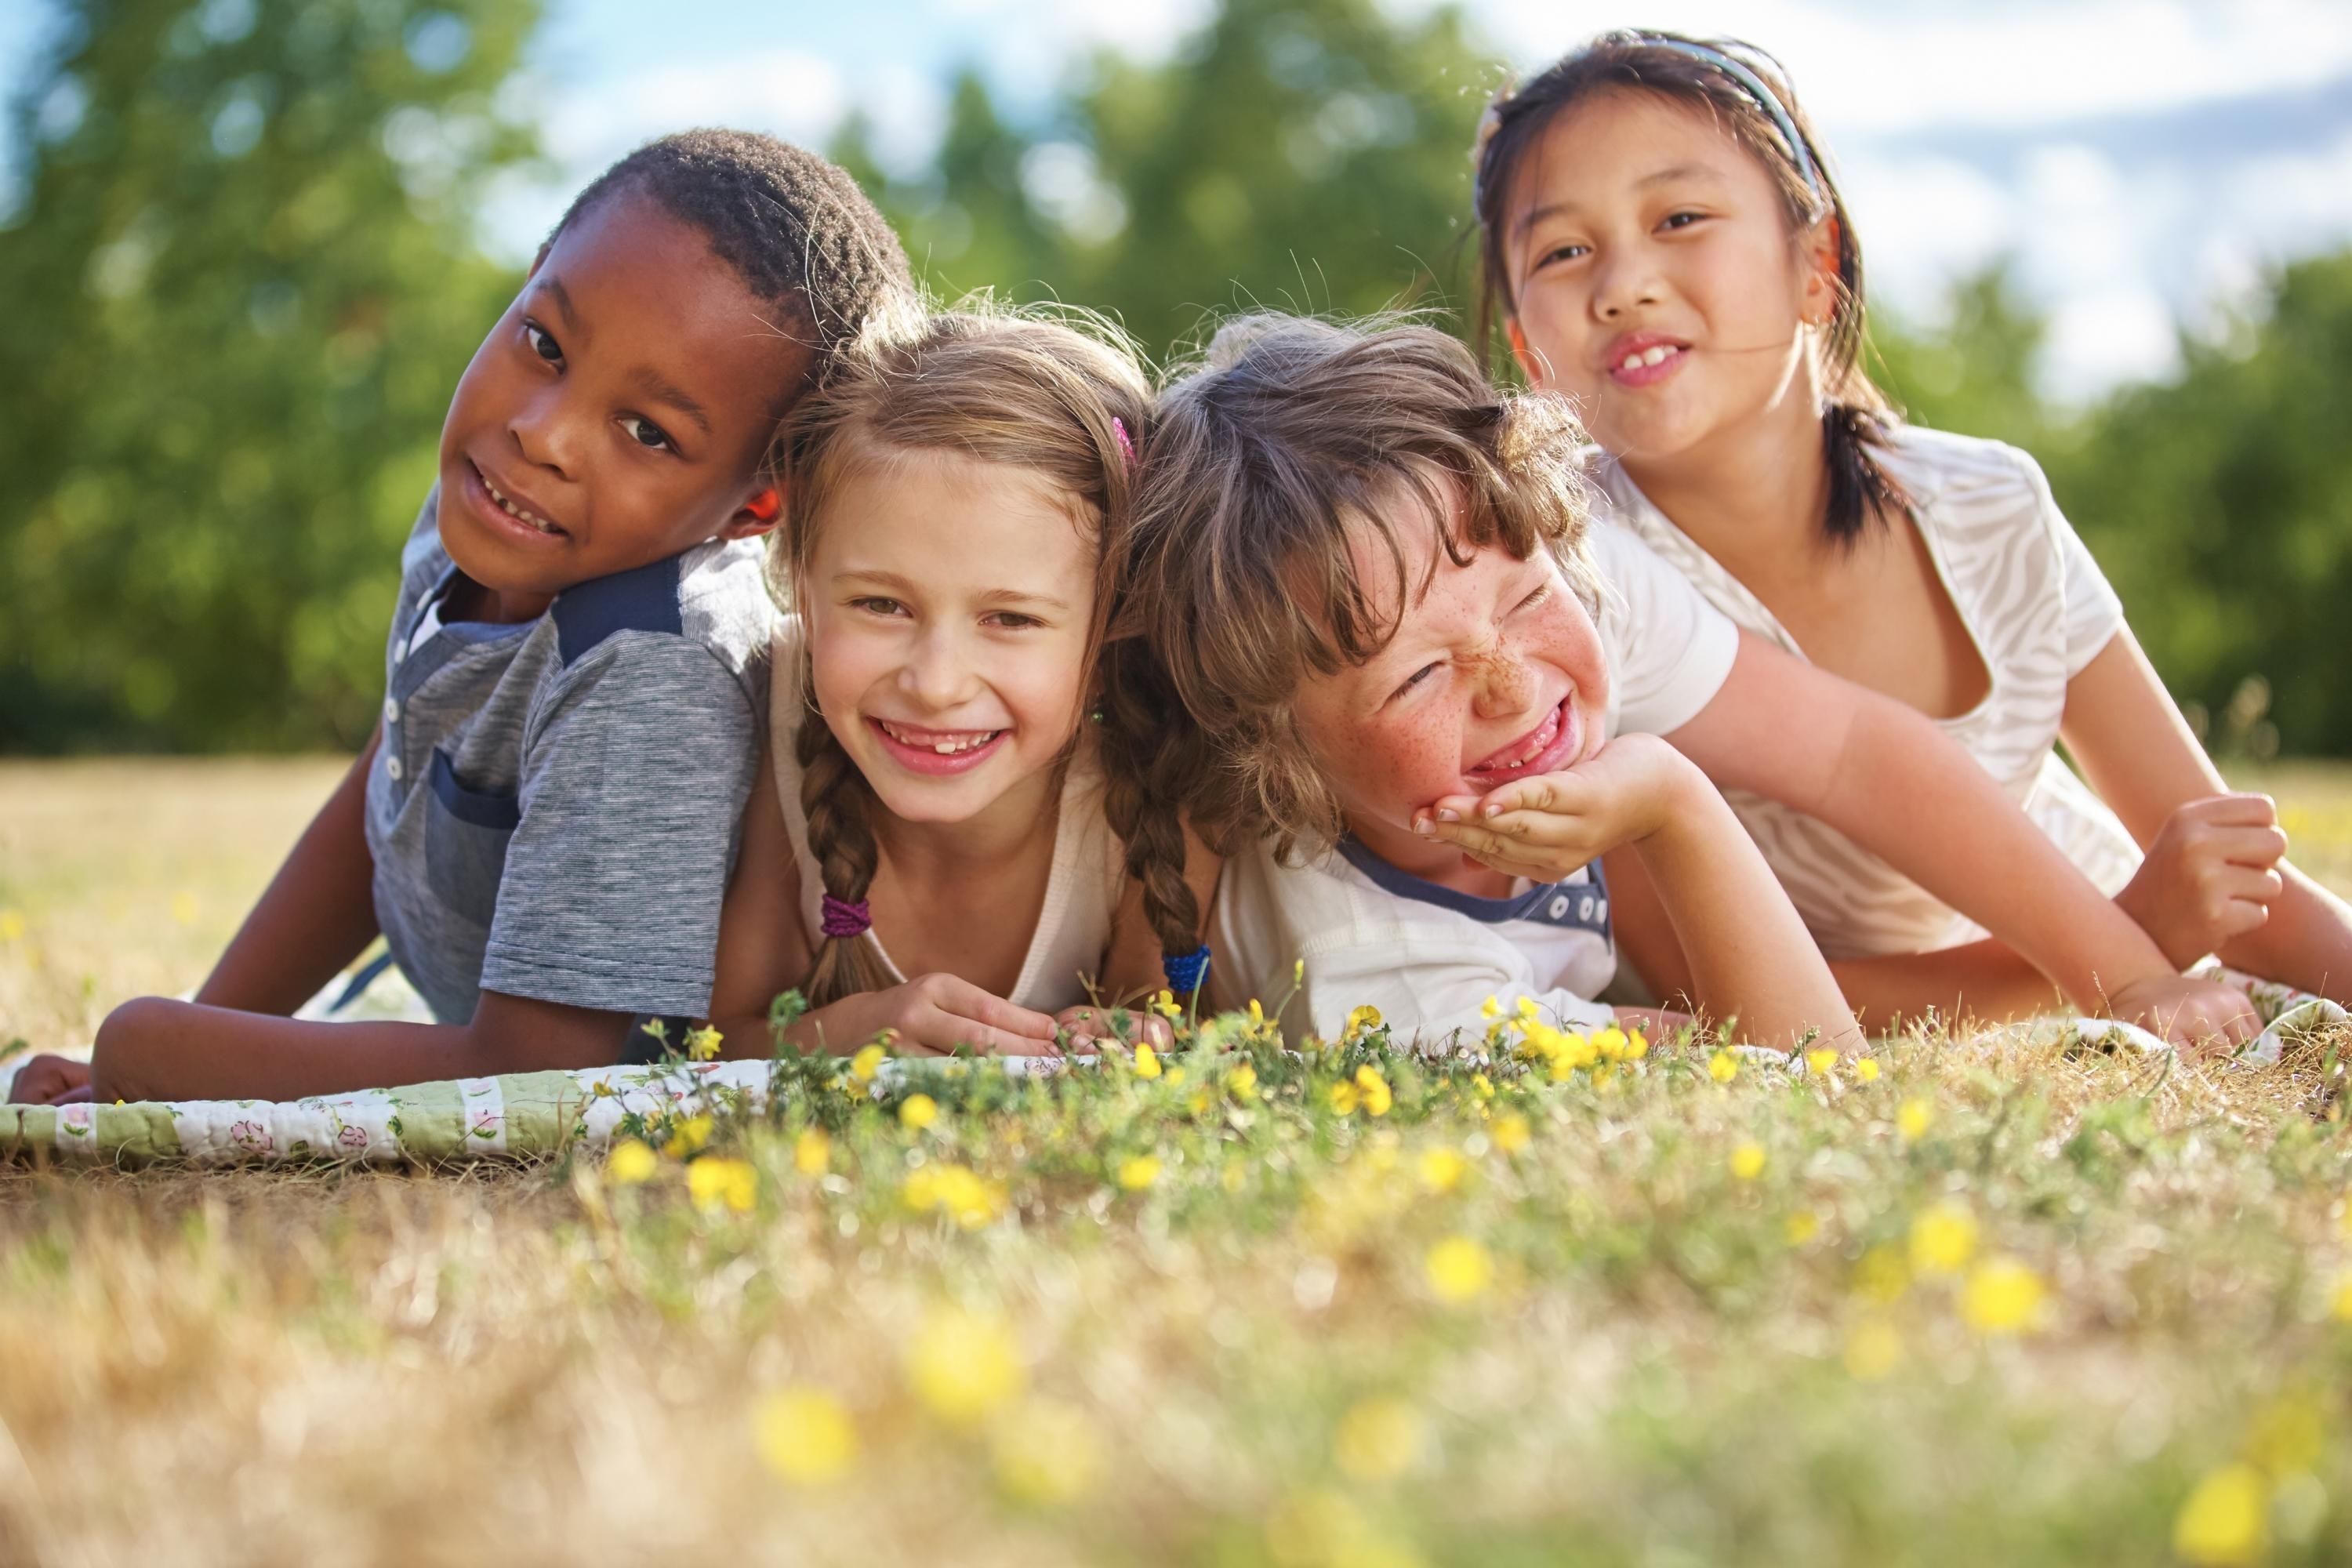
(1712, 1326)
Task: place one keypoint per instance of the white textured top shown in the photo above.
(1082, 892)
(2038, 610)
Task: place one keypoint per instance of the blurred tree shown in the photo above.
(2222, 508)
(1305, 154)
(242, 280)
(1977, 372)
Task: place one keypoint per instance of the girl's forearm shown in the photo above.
(1984, 980)
(2306, 943)
(1955, 831)
(1749, 954)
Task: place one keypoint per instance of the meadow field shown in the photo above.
(1975, 1299)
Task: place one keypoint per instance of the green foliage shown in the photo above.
(1299, 154)
(2220, 506)
(242, 281)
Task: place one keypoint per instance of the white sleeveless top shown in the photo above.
(2038, 610)
(1082, 892)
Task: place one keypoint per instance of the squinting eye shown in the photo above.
(1565, 253)
(1013, 620)
(1543, 591)
(1681, 220)
(1415, 678)
(541, 344)
(645, 432)
(877, 606)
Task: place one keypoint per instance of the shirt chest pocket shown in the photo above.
(466, 834)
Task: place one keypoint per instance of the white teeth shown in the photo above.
(950, 747)
(515, 512)
(1655, 354)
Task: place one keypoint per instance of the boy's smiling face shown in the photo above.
(1495, 673)
(623, 404)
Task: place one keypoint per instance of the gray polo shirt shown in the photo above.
(554, 808)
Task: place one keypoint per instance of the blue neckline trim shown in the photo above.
(1527, 906)
(643, 599)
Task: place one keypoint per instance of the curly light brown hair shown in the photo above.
(1037, 393)
(1291, 441)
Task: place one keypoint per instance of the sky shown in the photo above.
(2144, 161)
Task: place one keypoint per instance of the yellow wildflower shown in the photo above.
(1138, 1172)
(813, 1151)
(806, 1436)
(1914, 1118)
(630, 1162)
(1872, 1350)
(1343, 1098)
(1637, 1045)
(1459, 1268)
(1823, 1060)
(1882, 1275)
(1510, 1132)
(1747, 1161)
(963, 1366)
(702, 1045)
(1379, 1439)
(1490, 1009)
(1610, 1043)
(918, 1111)
(1361, 1020)
(1802, 1227)
(2225, 1521)
(1943, 1239)
(2003, 1296)
(1373, 1090)
(1147, 1060)
(1442, 1169)
(1045, 1453)
(12, 925)
(1484, 1085)
(2288, 1436)
(2341, 1302)
(1723, 1067)
(866, 1063)
(1243, 1082)
(183, 908)
(1256, 1015)
(1165, 1005)
(714, 1181)
(689, 1136)
(1865, 1069)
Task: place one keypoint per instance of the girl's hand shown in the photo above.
(2207, 875)
(48, 1079)
(2189, 1012)
(1546, 826)
(1091, 1025)
(931, 1015)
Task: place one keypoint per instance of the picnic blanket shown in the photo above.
(538, 1114)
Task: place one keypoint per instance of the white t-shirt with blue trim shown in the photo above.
(1429, 957)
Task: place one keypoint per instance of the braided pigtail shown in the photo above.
(835, 798)
(1153, 759)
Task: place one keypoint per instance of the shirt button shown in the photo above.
(391, 711)
(398, 653)
(391, 769)
(1559, 906)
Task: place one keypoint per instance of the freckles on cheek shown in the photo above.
(1414, 758)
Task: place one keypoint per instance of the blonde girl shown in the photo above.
(1665, 244)
(956, 839)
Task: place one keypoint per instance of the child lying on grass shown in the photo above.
(541, 826)
(1369, 576)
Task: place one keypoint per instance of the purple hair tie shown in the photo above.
(844, 919)
(1125, 446)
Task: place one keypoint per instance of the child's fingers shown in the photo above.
(2245, 809)
(953, 994)
(944, 1031)
(2262, 846)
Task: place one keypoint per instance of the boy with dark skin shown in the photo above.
(617, 416)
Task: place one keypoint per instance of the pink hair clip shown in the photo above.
(1125, 447)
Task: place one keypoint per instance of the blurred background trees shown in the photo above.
(245, 277)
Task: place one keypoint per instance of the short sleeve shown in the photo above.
(1669, 650)
(633, 780)
(1434, 990)
(2093, 614)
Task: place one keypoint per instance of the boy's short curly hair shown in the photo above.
(1293, 442)
(794, 227)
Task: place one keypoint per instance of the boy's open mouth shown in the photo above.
(495, 503)
(923, 749)
(1544, 749)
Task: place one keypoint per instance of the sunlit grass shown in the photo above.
(1987, 1302)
